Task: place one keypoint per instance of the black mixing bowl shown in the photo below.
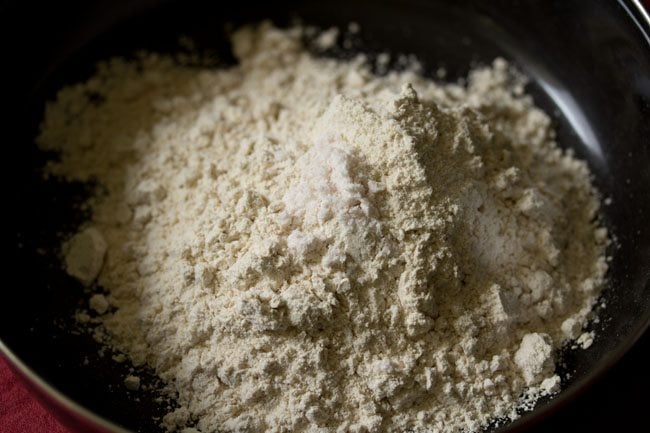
(589, 62)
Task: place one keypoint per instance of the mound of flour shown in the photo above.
(295, 244)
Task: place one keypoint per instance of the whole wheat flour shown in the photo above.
(295, 244)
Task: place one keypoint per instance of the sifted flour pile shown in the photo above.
(297, 245)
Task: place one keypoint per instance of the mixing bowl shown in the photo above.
(589, 64)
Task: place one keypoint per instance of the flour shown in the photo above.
(98, 303)
(132, 383)
(295, 244)
(84, 255)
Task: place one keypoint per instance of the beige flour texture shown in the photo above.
(296, 245)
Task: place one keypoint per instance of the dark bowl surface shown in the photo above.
(589, 64)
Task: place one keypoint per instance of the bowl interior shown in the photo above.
(589, 64)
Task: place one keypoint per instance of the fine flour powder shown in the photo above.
(295, 244)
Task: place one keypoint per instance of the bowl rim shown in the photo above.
(41, 386)
(42, 390)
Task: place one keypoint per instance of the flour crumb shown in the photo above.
(585, 340)
(82, 317)
(132, 382)
(327, 39)
(571, 328)
(84, 255)
(535, 357)
(98, 303)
